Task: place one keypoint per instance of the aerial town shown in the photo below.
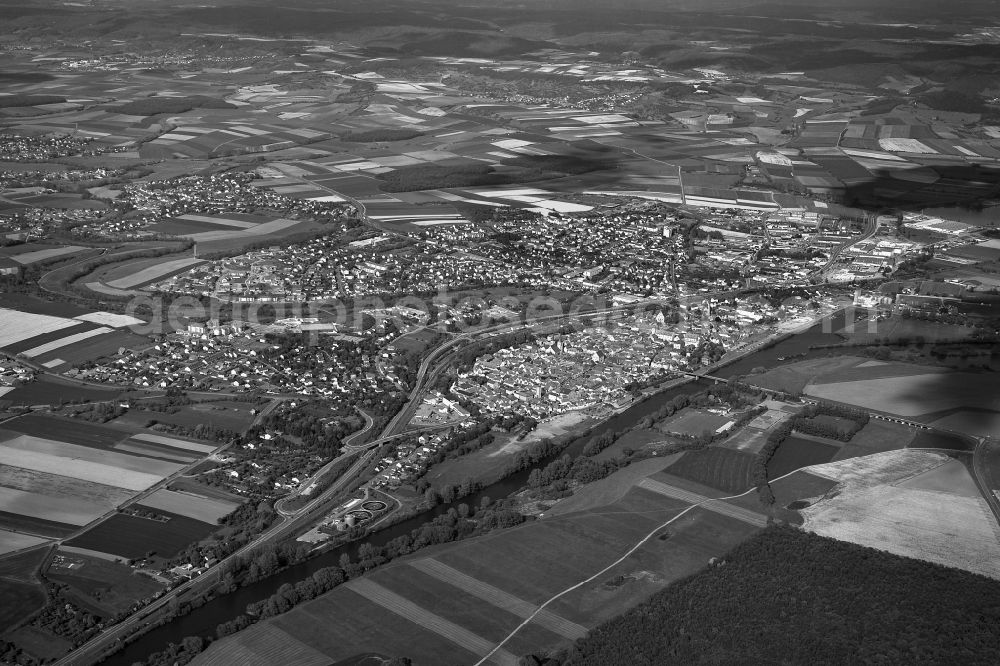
(479, 333)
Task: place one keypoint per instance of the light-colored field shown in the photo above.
(239, 224)
(951, 478)
(176, 443)
(418, 615)
(16, 326)
(71, 510)
(913, 395)
(11, 541)
(64, 342)
(914, 523)
(41, 255)
(110, 319)
(272, 227)
(154, 272)
(867, 509)
(53, 484)
(199, 508)
(94, 465)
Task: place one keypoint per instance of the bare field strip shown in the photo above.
(109, 319)
(176, 443)
(41, 255)
(499, 598)
(16, 326)
(708, 503)
(65, 342)
(199, 508)
(56, 485)
(272, 227)
(154, 453)
(84, 468)
(414, 613)
(77, 452)
(153, 272)
(225, 222)
(69, 510)
(11, 541)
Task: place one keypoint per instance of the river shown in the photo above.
(203, 621)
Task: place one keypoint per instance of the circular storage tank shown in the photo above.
(374, 505)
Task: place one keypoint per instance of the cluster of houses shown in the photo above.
(573, 371)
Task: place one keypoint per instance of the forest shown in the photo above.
(790, 597)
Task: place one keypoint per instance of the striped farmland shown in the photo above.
(499, 598)
(407, 609)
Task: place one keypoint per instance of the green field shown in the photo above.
(469, 595)
(20, 590)
(797, 452)
(877, 436)
(724, 469)
(108, 588)
(793, 377)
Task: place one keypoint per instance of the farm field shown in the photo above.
(107, 467)
(793, 377)
(797, 452)
(191, 506)
(57, 485)
(874, 508)
(106, 587)
(950, 478)
(14, 541)
(66, 430)
(141, 272)
(131, 537)
(637, 440)
(192, 487)
(876, 437)
(460, 599)
(726, 470)
(233, 416)
(19, 588)
(918, 393)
